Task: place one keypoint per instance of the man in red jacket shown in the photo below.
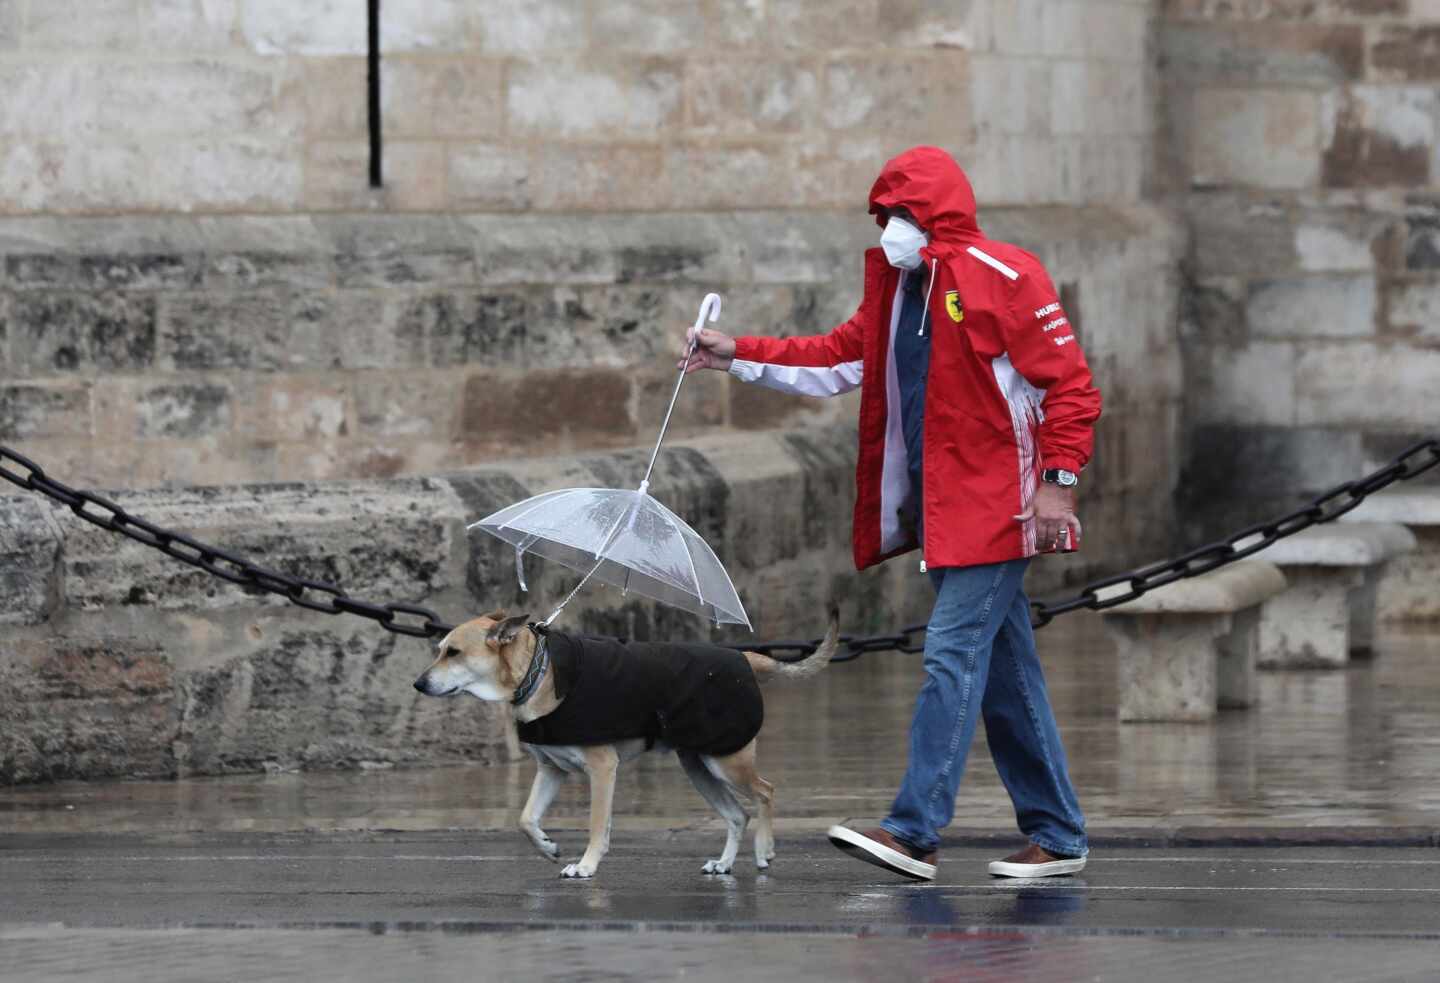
(976, 417)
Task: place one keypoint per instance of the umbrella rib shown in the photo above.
(694, 575)
(546, 496)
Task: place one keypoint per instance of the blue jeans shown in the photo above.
(980, 648)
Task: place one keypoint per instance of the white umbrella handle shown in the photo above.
(709, 308)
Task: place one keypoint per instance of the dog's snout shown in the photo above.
(422, 685)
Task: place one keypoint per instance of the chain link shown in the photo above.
(1098, 595)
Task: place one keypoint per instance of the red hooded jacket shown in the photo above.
(1008, 392)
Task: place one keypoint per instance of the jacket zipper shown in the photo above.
(924, 314)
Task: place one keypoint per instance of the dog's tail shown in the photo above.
(766, 668)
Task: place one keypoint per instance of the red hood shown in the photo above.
(928, 182)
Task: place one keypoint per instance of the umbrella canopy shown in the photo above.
(624, 538)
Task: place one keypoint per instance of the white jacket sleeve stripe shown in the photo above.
(805, 380)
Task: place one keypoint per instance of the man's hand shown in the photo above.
(1053, 510)
(713, 350)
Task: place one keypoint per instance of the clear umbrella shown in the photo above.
(625, 538)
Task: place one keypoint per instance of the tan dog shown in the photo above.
(490, 657)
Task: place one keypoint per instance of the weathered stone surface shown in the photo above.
(55, 333)
(45, 410)
(1337, 385)
(1262, 54)
(1407, 52)
(1260, 137)
(1375, 136)
(1353, 544)
(1309, 307)
(1308, 626)
(1232, 588)
(86, 708)
(542, 407)
(30, 544)
(208, 332)
(112, 272)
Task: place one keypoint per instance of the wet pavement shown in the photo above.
(1198, 871)
(269, 906)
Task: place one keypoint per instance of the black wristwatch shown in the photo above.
(1061, 477)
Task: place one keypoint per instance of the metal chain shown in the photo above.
(1097, 595)
(1108, 592)
(313, 595)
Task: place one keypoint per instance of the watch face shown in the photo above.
(1068, 478)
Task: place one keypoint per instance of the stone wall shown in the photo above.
(1300, 136)
(139, 352)
(117, 660)
(259, 106)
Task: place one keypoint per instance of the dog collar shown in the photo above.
(539, 662)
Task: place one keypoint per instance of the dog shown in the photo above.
(610, 703)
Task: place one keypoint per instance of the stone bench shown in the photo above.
(1189, 648)
(1406, 587)
(1329, 609)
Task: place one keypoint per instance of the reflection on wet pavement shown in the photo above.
(1358, 747)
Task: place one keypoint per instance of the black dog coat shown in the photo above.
(700, 698)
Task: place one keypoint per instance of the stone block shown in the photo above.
(60, 409)
(1375, 136)
(1188, 648)
(209, 332)
(183, 409)
(757, 175)
(275, 27)
(612, 327)
(310, 409)
(1014, 26)
(11, 26)
(635, 97)
(760, 95)
(86, 708)
(1328, 611)
(489, 177)
(388, 541)
(466, 327)
(1422, 232)
(606, 177)
(1238, 235)
(1254, 384)
(109, 24)
(332, 97)
(260, 269)
(64, 271)
(189, 25)
(964, 24)
(219, 96)
(54, 333)
(1261, 137)
(1343, 240)
(1312, 307)
(655, 26)
(919, 97)
(30, 544)
(1023, 86)
(441, 98)
(548, 410)
(1276, 53)
(1406, 53)
(1414, 308)
(543, 250)
(1096, 98)
(1336, 385)
(1406, 588)
(797, 24)
(524, 27)
(392, 404)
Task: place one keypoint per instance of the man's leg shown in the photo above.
(1025, 743)
(970, 608)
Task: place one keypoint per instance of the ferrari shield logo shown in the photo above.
(953, 305)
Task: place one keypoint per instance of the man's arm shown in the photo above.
(1043, 348)
(810, 365)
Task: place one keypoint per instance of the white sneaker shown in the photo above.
(1036, 861)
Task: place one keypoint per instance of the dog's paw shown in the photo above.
(549, 849)
(715, 867)
(762, 863)
(578, 870)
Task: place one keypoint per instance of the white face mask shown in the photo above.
(902, 243)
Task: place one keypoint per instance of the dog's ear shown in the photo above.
(497, 615)
(502, 633)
